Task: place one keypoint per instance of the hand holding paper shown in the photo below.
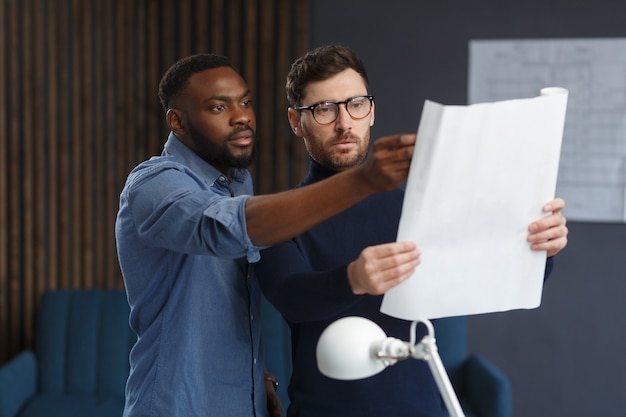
(549, 233)
(479, 176)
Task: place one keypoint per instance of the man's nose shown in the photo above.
(344, 120)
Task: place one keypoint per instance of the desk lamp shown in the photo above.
(356, 348)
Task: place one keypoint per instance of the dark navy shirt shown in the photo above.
(184, 251)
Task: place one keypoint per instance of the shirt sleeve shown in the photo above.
(296, 291)
(172, 209)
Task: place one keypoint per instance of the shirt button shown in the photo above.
(255, 361)
(251, 317)
(222, 178)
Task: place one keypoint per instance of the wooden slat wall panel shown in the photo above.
(15, 218)
(40, 150)
(29, 144)
(79, 109)
(51, 84)
(4, 188)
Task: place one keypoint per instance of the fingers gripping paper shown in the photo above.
(479, 176)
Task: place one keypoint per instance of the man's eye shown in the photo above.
(322, 109)
(357, 103)
(246, 103)
(219, 107)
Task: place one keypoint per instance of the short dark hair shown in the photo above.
(176, 77)
(320, 64)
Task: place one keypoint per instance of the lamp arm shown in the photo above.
(427, 350)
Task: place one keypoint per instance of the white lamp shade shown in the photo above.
(346, 349)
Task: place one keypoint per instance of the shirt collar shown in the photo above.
(316, 173)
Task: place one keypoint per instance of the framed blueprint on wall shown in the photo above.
(592, 171)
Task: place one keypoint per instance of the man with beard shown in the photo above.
(186, 229)
(343, 266)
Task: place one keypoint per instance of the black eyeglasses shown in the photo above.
(326, 112)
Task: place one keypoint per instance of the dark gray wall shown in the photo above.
(568, 357)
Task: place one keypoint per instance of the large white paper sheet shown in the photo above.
(479, 176)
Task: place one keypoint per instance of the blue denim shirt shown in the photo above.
(184, 251)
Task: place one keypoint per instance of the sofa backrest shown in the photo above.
(83, 342)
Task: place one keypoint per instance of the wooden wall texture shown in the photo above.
(79, 109)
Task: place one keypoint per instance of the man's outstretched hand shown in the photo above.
(388, 162)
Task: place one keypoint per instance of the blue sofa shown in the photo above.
(80, 362)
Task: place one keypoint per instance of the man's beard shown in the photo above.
(215, 154)
(340, 162)
(335, 161)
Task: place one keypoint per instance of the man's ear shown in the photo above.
(175, 121)
(294, 121)
(372, 117)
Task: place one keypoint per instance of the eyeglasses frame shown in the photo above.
(312, 107)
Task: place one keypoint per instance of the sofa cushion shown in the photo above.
(18, 382)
